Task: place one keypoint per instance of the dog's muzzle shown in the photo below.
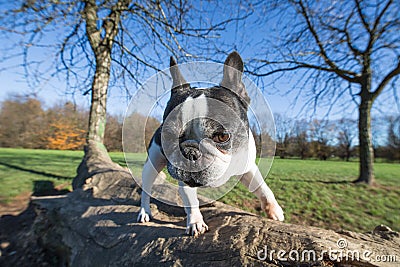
(190, 150)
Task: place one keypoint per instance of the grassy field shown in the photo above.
(311, 192)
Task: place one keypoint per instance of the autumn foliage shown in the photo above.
(25, 123)
(65, 136)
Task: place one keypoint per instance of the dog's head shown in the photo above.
(205, 130)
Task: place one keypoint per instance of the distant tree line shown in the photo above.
(25, 123)
(324, 139)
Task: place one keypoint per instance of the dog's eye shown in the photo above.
(221, 137)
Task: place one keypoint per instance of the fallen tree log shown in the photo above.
(85, 231)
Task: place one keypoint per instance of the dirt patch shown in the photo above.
(21, 202)
(17, 244)
(16, 206)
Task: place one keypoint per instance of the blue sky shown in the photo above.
(13, 83)
(54, 90)
(240, 36)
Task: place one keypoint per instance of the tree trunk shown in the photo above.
(96, 156)
(348, 147)
(97, 117)
(365, 140)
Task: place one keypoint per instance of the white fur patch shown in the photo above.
(194, 108)
(226, 166)
(152, 169)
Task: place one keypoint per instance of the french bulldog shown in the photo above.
(204, 140)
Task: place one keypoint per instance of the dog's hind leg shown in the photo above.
(195, 224)
(151, 170)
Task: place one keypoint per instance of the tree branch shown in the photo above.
(362, 16)
(91, 18)
(386, 80)
(373, 34)
(303, 65)
(111, 22)
(323, 53)
(345, 31)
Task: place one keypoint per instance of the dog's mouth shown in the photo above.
(192, 183)
(190, 178)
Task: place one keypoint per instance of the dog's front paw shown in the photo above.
(274, 211)
(196, 229)
(144, 216)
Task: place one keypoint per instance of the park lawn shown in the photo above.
(311, 192)
(320, 193)
(29, 170)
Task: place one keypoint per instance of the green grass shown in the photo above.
(28, 170)
(311, 192)
(320, 193)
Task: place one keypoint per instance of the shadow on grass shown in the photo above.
(318, 181)
(50, 175)
(46, 188)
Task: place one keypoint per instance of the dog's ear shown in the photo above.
(233, 70)
(178, 82)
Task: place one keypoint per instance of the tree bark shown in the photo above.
(97, 117)
(96, 226)
(348, 153)
(95, 152)
(365, 142)
(101, 41)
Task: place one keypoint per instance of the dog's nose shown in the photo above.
(190, 150)
(191, 153)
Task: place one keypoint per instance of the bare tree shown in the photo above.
(283, 127)
(394, 138)
(299, 141)
(114, 42)
(320, 134)
(346, 135)
(341, 51)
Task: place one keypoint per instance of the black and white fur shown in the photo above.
(186, 143)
